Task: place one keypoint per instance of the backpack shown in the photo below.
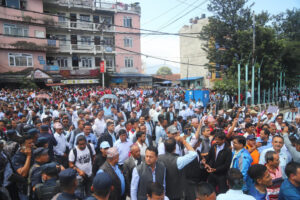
(75, 153)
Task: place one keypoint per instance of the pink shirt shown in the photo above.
(277, 179)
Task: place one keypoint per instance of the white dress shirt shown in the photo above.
(62, 144)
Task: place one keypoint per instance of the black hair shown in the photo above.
(235, 179)
(122, 131)
(220, 134)
(266, 131)
(139, 134)
(86, 124)
(240, 139)
(80, 138)
(248, 125)
(153, 149)
(24, 138)
(154, 188)
(103, 192)
(257, 171)
(170, 145)
(291, 168)
(269, 156)
(277, 136)
(203, 189)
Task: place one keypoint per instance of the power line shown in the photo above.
(133, 52)
(103, 23)
(153, 19)
(184, 14)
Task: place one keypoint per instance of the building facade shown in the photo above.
(78, 34)
(194, 74)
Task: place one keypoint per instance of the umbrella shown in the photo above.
(108, 96)
(42, 96)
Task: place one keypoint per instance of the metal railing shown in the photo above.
(90, 26)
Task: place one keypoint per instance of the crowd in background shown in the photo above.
(92, 143)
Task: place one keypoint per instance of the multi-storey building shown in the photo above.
(194, 73)
(82, 33)
(23, 42)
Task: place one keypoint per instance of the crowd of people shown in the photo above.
(92, 143)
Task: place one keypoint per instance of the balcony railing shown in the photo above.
(87, 26)
(80, 71)
(98, 5)
(85, 48)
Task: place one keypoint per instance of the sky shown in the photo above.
(158, 15)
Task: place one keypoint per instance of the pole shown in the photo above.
(273, 93)
(187, 72)
(277, 90)
(253, 38)
(269, 95)
(283, 81)
(280, 83)
(102, 38)
(246, 80)
(239, 84)
(264, 96)
(252, 85)
(258, 87)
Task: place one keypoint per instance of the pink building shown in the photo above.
(23, 42)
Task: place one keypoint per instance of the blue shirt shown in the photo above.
(257, 195)
(288, 191)
(91, 137)
(124, 149)
(268, 145)
(107, 111)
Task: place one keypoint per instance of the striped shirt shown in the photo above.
(277, 179)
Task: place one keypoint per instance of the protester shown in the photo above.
(290, 187)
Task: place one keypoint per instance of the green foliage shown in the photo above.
(230, 34)
(164, 71)
(28, 84)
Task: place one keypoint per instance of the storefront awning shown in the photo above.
(191, 78)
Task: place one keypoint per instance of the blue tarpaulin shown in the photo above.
(191, 78)
(117, 80)
(196, 94)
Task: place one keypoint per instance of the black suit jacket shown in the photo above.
(106, 137)
(128, 167)
(168, 117)
(223, 160)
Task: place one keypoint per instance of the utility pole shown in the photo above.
(239, 84)
(102, 59)
(253, 62)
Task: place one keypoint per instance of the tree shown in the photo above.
(164, 71)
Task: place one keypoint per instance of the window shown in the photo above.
(15, 30)
(62, 17)
(127, 42)
(62, 40)
(39, 34)
(106, 19)
(13, 4)
(109, 62)
(86, 40)
(20, 59)
(127, 22)
(108, 41)
(128, 62)
(84, 18)
(86, 62)
(62, 61)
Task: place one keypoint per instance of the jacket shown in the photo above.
(128, 167)
(116, 193)
(243, 161)
(106, 137)
(223, 160)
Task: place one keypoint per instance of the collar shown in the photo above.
(221, 147)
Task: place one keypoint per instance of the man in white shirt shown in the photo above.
(61, 147)
(100, 124)
(235, 183)
(141, 138)
(123, 145)
(81, 159)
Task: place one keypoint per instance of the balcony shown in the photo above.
(25, 43)
(85, 26)
(78, 71)
(97, 5)
(85, 48)
(27, 16)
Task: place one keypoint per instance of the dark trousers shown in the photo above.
(190, 188)
(62, 160)
(218, 182)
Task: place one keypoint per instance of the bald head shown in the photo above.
(135, 151)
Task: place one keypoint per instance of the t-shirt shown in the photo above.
(84, 160)
(257, 195)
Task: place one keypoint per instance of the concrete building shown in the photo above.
(194, 77)
(80, 33)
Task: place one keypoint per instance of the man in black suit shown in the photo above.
(218, 162)
(170, 115)
(129, 164)
(109, 134)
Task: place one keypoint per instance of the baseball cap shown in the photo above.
(104, 145)
(251, 137)
(40, 151)
(102, 181)
(67, 176)
(172, 129)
